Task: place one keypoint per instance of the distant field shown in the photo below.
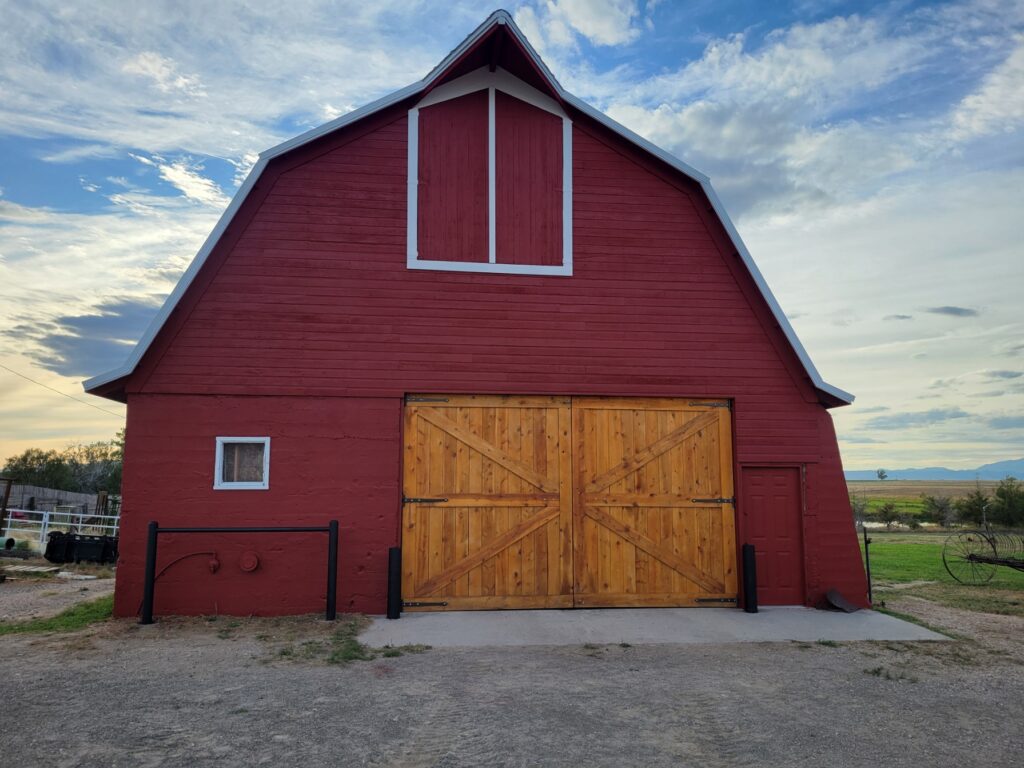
(914, 489)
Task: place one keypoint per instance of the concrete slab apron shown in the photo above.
(637, 626)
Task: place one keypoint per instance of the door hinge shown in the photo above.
(418, 604)
(715, 600)
(420, 500)
(730, 500)
(418, 399)
(713, 403)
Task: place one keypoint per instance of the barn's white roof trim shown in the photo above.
(499, 17)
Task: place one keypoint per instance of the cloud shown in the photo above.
(211, 84)
(555, 24)
(602, 22)
(164, 74)
(898, 317)
(77, 152)
(84, 345)
(916, 419)
(185, 176)
(94, 277)
(1010, 348)
(997, 105)
(953, 311)
(1007, 422)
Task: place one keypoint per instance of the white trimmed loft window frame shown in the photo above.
(218, 469)
(504, 81)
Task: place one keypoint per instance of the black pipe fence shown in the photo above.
(154, 530)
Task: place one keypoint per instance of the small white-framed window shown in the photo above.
(242, 464)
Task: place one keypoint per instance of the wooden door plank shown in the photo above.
(488, 449)
(633, 463)
(566, 499)
(675, 500)
(654, 549)
(492, 548)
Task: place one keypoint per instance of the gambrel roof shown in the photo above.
(469, 55)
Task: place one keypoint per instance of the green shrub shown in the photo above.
(1007, 505)
(972, 508)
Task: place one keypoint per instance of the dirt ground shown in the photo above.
(30, 598)
(251, 692)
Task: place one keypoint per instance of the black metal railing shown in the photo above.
(154, 530)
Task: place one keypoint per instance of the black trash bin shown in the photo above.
(89, 548)
(109, 549)
(60, 547)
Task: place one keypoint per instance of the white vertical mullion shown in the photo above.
(492, 201)
(412, 243)
(567, 194)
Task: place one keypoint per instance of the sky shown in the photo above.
(871, 156)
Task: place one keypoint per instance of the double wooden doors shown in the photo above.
(544, 502)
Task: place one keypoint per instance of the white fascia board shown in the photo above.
(499, 17)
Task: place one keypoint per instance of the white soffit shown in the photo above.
(500, 17)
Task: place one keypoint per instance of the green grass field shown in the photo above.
(905, 557)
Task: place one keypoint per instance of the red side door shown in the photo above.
(771, 506)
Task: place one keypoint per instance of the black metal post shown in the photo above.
(332, 570)
(149, 580)
(867, 563)
(395, 583)
(749, 579)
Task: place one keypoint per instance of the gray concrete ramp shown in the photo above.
(638, 626)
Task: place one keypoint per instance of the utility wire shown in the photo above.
(65, 394)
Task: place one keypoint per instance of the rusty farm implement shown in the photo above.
(971, 557)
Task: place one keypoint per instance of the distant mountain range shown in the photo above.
(996, 471)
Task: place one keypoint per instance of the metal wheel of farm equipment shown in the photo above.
(967, 557)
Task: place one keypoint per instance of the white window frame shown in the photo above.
(499, 80)
(218, 468)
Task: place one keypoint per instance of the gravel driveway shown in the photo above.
(230, 692)
(38, 598)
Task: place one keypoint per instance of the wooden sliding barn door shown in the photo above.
(487, 514)
(544, 502)
(653, 521)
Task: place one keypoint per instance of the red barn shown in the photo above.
(479, 320)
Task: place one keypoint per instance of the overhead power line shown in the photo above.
(63, 394)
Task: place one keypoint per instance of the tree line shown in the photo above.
(87, 468)
(1002, 508)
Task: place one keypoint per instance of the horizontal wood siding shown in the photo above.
(315, 299)
(452, 203)
(330, 458)
(528, 183)
(309, 296)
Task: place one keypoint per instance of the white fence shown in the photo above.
(38, 523)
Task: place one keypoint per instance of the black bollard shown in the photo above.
(394, 583)
(749, 579)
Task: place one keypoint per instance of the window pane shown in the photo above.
(243, 463)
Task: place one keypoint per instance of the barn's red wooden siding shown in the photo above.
(308, 300)
(331, 458)
(452, 194)
(528, 183)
